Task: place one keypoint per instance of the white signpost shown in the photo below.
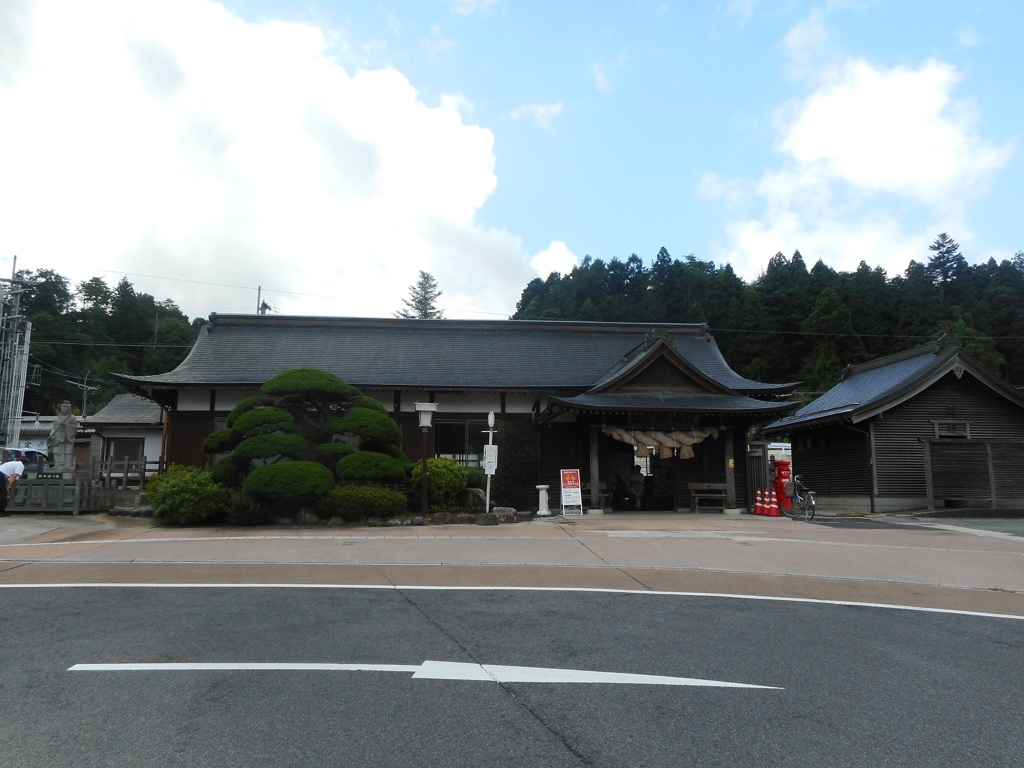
(490, 459)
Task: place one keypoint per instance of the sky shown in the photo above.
(317, 156)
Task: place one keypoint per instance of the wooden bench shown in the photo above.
(603, 499)
(711, 492)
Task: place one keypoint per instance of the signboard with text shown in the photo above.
(490, 459)
(572, 492)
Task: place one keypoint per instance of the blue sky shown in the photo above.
(326, 152)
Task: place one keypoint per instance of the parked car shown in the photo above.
(34, 461)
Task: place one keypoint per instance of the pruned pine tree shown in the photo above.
(422, 301)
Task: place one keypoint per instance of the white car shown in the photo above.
(34, 461)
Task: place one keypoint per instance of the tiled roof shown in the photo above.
(673, 402)
(127, 409)
(874, 386)
(247, 350)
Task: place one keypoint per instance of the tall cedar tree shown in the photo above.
(422, 301)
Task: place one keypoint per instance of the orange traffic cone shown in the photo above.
(758, 504)
(773, 507)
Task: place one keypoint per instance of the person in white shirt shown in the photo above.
(9, 472)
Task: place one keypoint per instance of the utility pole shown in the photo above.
(15, 337)
(86, 389)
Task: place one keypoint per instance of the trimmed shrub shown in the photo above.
(446, 477)
(355, 502)
(476, 477)
(290, 446)
(221, 441)
(371, 467)
(263, 420)
(306, 381)
(367, 424)
(388, 449)
(243, 509)
(370, 403)
(244, 407)
(230, 470)
(329, 454)
(289, 485)
(187, 496)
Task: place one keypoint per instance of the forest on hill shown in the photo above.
(80, 335)
(795, 323)
(792, 323)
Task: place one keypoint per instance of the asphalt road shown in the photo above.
(853, 686)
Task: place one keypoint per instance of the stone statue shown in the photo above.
(61, 442)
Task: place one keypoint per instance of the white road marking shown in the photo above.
(595, 590)
(434, 670)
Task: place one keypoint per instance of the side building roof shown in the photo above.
(873, 387)
(127, 410)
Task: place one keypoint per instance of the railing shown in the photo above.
(125, 474)
(106, 484)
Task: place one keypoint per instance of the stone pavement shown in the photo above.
(890, 560)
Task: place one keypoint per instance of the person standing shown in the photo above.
(9, 472)
(636, 485)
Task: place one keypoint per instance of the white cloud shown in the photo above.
(968, 37)
(468, 7)
(712, 186)
(744, 9)
(897, 130)
(555, 258)
(806, 44)
(436, 42)
(605, 71)
(875, 161)
(172, 139)
(543, 115)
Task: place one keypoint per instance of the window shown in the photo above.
(462, 441)
(952, 429)
(120, 448)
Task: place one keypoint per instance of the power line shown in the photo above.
(216, 285)
(149, 345)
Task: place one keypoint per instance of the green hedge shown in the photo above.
(289, 485)
(357, 502)
(187, 496)
(371, 467)
(446, 477)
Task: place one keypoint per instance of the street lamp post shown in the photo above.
(425, 411)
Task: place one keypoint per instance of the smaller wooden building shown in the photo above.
(925, 428)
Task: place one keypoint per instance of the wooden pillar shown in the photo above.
(993, 502)
(595, 467)
(873, 494)
(929, 489)
(730, 470)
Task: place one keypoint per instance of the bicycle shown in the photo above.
(803, 503)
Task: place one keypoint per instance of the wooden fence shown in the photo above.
(105, 485)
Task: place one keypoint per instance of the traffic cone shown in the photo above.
(773, 507)
(758, 504)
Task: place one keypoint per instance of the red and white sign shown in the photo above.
(572, 494)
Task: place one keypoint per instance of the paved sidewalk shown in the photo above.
(881, 560)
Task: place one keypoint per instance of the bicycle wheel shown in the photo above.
(810, 504)
(793, 511)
